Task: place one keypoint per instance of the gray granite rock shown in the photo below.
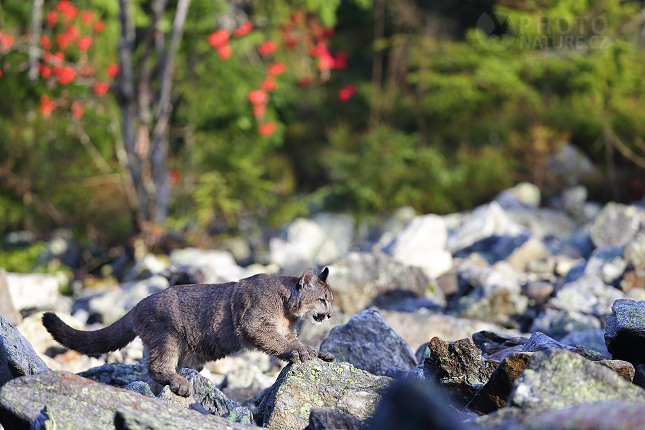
(367, 342)
(558, 323)
(594, 339)
(607, 263)
(557, 379)
(634, 252)
(588, 295)
(360, 279)
(7, 309)
(17, 356)
(522, 195)
(33, 290)
(315, 384)
(328, 418)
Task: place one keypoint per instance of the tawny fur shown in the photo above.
(188, 325)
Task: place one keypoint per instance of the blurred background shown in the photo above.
(144, 125)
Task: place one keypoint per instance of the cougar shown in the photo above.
(188, 325)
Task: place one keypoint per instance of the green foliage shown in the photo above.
(23, 260)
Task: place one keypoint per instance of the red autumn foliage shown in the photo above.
(59, 57)
(6, 41)
(85, 43)
(87, 17)
(101, 88)
(98, 26)
(267, 128)
(52, 18)
(77, 109)
(259, 110)
(45, 42)
(46, 105)
(45, 70)
(86, 70)
(258, 97)
(224, 52)
(269, 85)
(243, 29)
(276, 69)
(67, 9)
(268, 47)
(304, 82)
(218, 38)
(113, 70)
(347, 92)
(65, 75)
(340, 61)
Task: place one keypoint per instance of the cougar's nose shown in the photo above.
(330, 314)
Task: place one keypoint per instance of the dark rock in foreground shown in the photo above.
(367, 342)
(75, 402)
(17, 356)
(327, 418)
(458, 367)
(625, 334)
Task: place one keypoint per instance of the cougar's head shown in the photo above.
(314, 296)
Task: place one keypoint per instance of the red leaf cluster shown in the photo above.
(243, 29)
(268, 47)
(67, 9)
(258, 97)
(87, 17)
(101, 88)
(77, 109)
(218, 38)
(267, 128)
(6, 41)
(276, 69)
(347, 92)
(65, 75)
(85, 43)
(98, 26)
(46, 105)
(113, 70)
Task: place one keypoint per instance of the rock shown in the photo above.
(543, 223)
(541, 342)
(17, 357)
(493, 395)
(522, 195)
(368, 343)
(359, 280)
(341, 230)
(416, 327)
(559, 323)
(32, 328)
(108, 305)
(615, 225)
(207, 266)
(625, 334)
(531, 250)
(33, 290)
(557, 379)
(634, 252)
(7, 309)
(459, 367)
(116, 375)
(44, 421)
(594, 339)
(327, 418)
(622, 368)
(315, 383)
(392, 226)
(611, 415)
(588, 295)
(639, 375)
(408, 405)
(75, 401)
(497, 295)
(140, 387)
(485, 221)
(305, 241)
(147, 266)
(633, 282)
(574, 199)
(422, 243)
(490, 342)
(607, 263)
(538, 291)
(569, 165)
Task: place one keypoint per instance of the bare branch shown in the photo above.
(34, 52)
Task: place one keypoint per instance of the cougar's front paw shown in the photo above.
(326, 356)
(181, 387)
(300, 353)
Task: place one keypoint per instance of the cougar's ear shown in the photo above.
(323, 274)
(307, 278)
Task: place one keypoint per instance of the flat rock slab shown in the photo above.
(17, 356)
(76, 402)
(317, 384)
(557, 379)
(367, 342)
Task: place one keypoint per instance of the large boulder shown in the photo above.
(361, 279)
(459, 367)
(367, 342)
(522, 195)
(17, 356)
(422, 243)
(316, 384)
(625, 334)
(557, 379)
(76, 402)
(205, 266)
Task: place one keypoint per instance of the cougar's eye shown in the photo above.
(323, 300)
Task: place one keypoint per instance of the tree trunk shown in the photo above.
(36, 25)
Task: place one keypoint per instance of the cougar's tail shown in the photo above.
(107, 339)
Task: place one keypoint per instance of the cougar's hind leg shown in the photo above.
(162, 361)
